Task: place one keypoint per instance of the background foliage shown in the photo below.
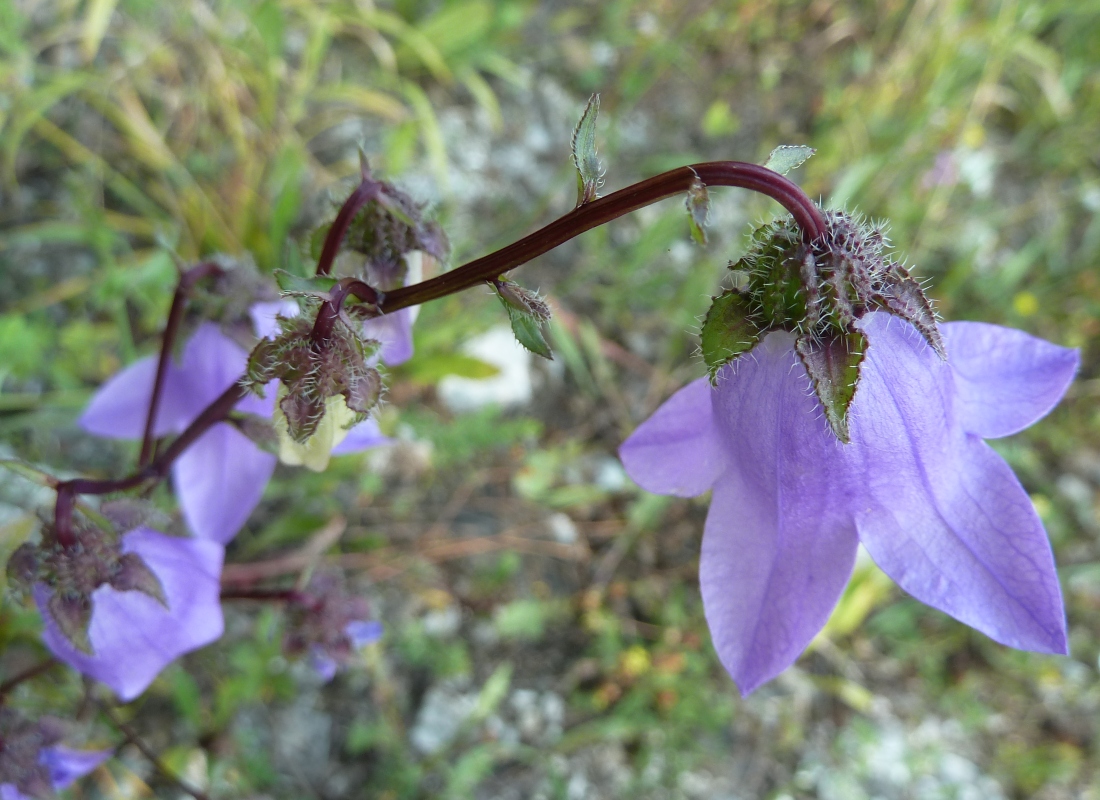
(544, 631)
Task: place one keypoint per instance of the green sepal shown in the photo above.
(698, 206)
(787, 157)
(728, 331)
(589, 170)
(317, 285)
(833, 365)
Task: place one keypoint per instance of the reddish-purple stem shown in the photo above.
(590, 215)
(175, 316)
(598, 212)
(154, 471)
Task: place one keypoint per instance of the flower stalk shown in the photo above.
(807, 216)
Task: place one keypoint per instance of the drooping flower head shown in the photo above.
(328, 624)
(33, 763)
(387, 246)
(119, 610)
(220, 479)
(833, 419)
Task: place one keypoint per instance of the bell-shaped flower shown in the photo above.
(937, 509)
(133, 635)
(33, 763)
(220, 479)
(329, 624)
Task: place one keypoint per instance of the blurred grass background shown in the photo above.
(544, 631)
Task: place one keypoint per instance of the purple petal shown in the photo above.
(263, 316)
(67, 765)
(219, 481)
(133, 636)
(394, 331)
(324, 665)
(942, 514)
(119, 408)
(8, 791)
(361, 633)
(1005, 379)
(677, 450)
(779, 544)
(262, 406)
(212, 362)
(363, 436)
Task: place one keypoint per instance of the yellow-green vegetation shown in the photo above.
(544, 610)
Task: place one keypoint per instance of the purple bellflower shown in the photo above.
(901, 468)
(220, 479)
(328, 624)
(132, 635)
(33, 764)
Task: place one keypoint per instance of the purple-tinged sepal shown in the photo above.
(901, 295)
(313, 372)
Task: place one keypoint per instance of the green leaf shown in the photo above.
(297, 285)
(698, 206)
(494, 691)
(528, 332)
(27, 471)
(728, 331)
(787, 157)
(430, 368)
(833, 366)
(589, 170)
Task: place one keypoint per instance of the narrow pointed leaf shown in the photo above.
(589, 171)
(27, 471)
(297, 285)
(728, 331)
(698, 206)
(134, 575)
(787, 157)
(833, 366)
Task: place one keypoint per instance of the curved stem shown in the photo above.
(598, 212)
(175, 316)
(154, 471)
(583, 218)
